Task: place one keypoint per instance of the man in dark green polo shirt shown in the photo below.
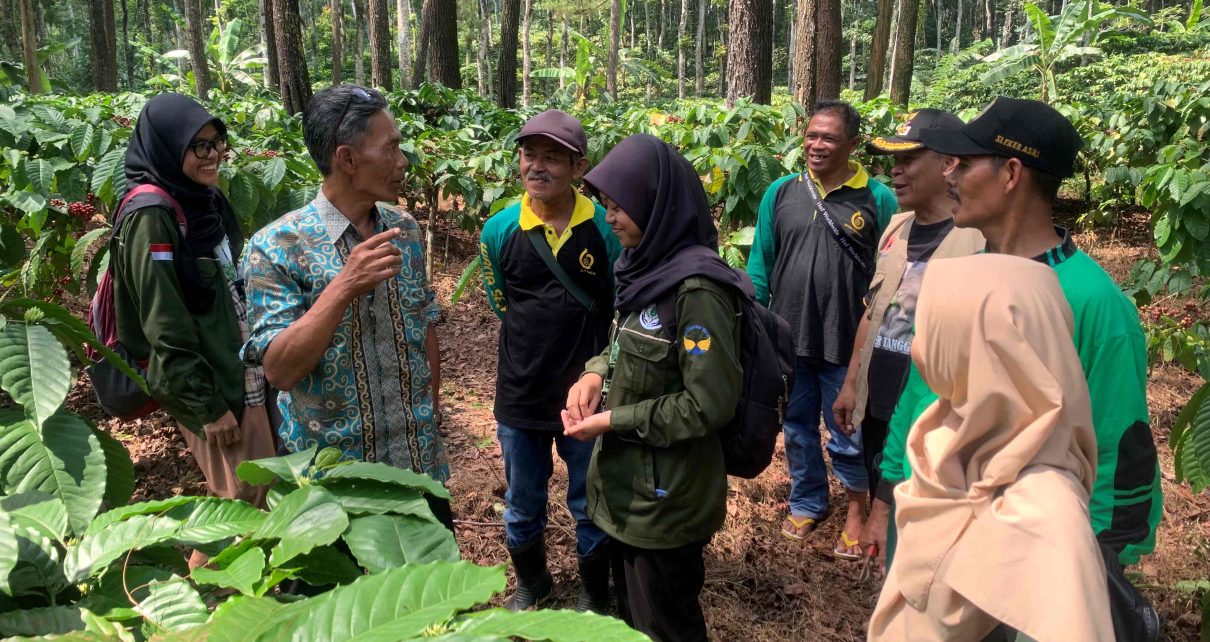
(812, 260)
(547, 334)
(1012, 159)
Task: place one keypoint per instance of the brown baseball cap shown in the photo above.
(907, 136)
(559, 126)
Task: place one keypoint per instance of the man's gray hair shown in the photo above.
(337, 116)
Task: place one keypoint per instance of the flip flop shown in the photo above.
(841, 552)
(798, 523)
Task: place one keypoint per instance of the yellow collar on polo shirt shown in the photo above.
(583, 211)
(860, 178)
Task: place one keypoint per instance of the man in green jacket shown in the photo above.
(1012, 159)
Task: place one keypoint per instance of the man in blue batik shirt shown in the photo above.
(340, 311)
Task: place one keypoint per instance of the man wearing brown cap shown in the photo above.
(1012, 159)
(548, 272)
(882, 347)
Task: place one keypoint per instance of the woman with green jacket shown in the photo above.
(178, 301)
(669, 379)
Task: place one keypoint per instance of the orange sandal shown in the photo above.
(842, 552)
(797, 528)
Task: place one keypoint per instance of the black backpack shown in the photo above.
(766, 355)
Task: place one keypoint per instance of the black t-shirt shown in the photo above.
(892, 353)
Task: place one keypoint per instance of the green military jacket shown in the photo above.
(657, 479)
(193, 369)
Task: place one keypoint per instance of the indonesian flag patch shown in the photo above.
(161, 252)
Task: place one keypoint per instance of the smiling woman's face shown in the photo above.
(203, 171)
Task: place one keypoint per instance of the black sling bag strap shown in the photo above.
(845, 244)
(538, 239)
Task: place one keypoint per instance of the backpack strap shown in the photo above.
(538, 240)
(155, 190)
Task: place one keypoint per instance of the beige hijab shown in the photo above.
(993, 524)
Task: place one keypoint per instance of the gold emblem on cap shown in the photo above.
(906, 127)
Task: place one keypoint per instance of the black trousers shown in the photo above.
(658, 590)
(873, 439)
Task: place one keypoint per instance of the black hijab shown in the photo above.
(155, 155)
(663, 195)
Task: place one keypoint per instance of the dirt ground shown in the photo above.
(759, 586)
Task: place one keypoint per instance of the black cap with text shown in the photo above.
(1028, 130)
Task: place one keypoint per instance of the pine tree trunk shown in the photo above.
(876, 72)
(615, 37)
(829, 41)
(1006, 34)
(722, 59)
(103, 50)
(659, 42)
(129, 52)
(359, 60)
(698, 49)
(750, 51)
(527, 17)
(905, 50)
(550, 50)
(957, 45)
(294, 83)
(485, 42)
(563, 52)
(937, 4)
(791, 34)
(853, 58)
(337, 9)
(989, 19)
(805, 90)
(196, 41)
(380, 45)
(29, 48)
(403, 25)
(506, 62)
(422, 43)
(680, 49)
(443, 58)
(269, 37)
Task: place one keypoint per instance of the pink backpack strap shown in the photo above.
(148, 188)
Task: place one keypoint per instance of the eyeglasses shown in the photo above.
(353, 91)
(202, 148)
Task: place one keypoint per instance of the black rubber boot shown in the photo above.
(534, 582)
(594, 581)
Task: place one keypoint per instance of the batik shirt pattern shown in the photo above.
(369, 395)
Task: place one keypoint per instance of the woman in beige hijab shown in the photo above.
(993, 524)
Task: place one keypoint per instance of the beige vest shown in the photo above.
(892, 258)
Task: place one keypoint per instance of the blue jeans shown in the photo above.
(816, 387)
(528, 465)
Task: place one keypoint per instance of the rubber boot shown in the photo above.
(594, 581)
(534, 582)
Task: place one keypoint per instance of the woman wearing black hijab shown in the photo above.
(176, 294)
(671, 376)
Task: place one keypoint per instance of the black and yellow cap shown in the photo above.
(1028, 130)
(907, 135)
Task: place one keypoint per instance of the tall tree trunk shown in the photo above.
(563, 51)
(196, 41)
(337, 9)
(989, 19)
(29, 48)
(422, 43)
(550, 49)
(829, 41)
(659, 41)
(957, 45)
(905, 50)
(937, 4)
(506, 64)
(128, 54)
(680, 49)
(722, 59)
(876, 71)
(1006, 33)
(359, 21)
(853, 57)
(805, 90)
(527, 17)
(294, 83)
(403, 25)
(484, 74)
(443, 58)
(615, 37)
(380, 44)
(750, 51)
(698, 49)
(791, 34)
(269, 39)
(103, 48)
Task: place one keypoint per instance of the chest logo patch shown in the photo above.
(586, 260)
(857, 221)
(696, 339)
(649, 318)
